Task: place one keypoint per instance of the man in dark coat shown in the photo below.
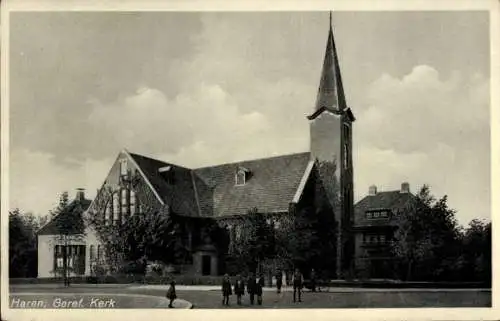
(279, 280)
(258, 288)
(226, 289)
(251, 287)
(239, 288)
(298, 281)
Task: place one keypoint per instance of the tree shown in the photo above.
(23, 253)
(63, 204)
(427, 237)
(475, 255)
(153, 232)
(252, 242)
(308, 240)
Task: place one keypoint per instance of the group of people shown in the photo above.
(254, 286)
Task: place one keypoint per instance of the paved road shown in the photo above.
(355, 299)
(213, 299)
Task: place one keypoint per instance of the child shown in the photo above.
(171, 295)
(239, 288)
(226, 289)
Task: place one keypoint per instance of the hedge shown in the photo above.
(217, 280)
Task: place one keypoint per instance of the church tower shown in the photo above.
(331, 147)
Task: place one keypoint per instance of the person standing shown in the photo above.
(298, 281)
(251, 287)
(226, 289)
(313, 280)
(239, 288)
(259, 288)
(279, 281)
(171, 294)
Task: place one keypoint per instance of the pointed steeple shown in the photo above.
(330, 91)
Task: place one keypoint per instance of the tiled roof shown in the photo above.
(180, 196)
(72, 213)
(391, 200)
(211, 191)
(270, 187)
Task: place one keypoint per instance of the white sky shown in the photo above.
(200, 89)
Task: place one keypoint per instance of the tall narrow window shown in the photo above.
(123, 167)
(346, 145)
(124, 203)
(132, 202)
(92, 253)
(116, 207)
(99, 253)
(346, 156)
(107, 214)
(237, 232)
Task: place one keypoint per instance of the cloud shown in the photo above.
(419, 111)
(36, 180)
(425, 130)
(229, 89)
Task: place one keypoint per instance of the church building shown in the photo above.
(274, 187)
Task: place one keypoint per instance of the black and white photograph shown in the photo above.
(280, 159)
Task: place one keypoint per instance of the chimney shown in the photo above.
(80, 194)
(405, 188)
(372, 190)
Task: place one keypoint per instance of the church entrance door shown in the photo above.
(206, 264)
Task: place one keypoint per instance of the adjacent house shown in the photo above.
(65, 232)
(375, 220)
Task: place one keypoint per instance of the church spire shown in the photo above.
(330, 91)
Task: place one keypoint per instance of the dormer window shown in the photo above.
(167, 173)
(241, 176)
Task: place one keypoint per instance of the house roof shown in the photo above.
(390, 200)
(270, 186)
(72, 213)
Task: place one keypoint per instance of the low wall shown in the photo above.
(391, 284)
